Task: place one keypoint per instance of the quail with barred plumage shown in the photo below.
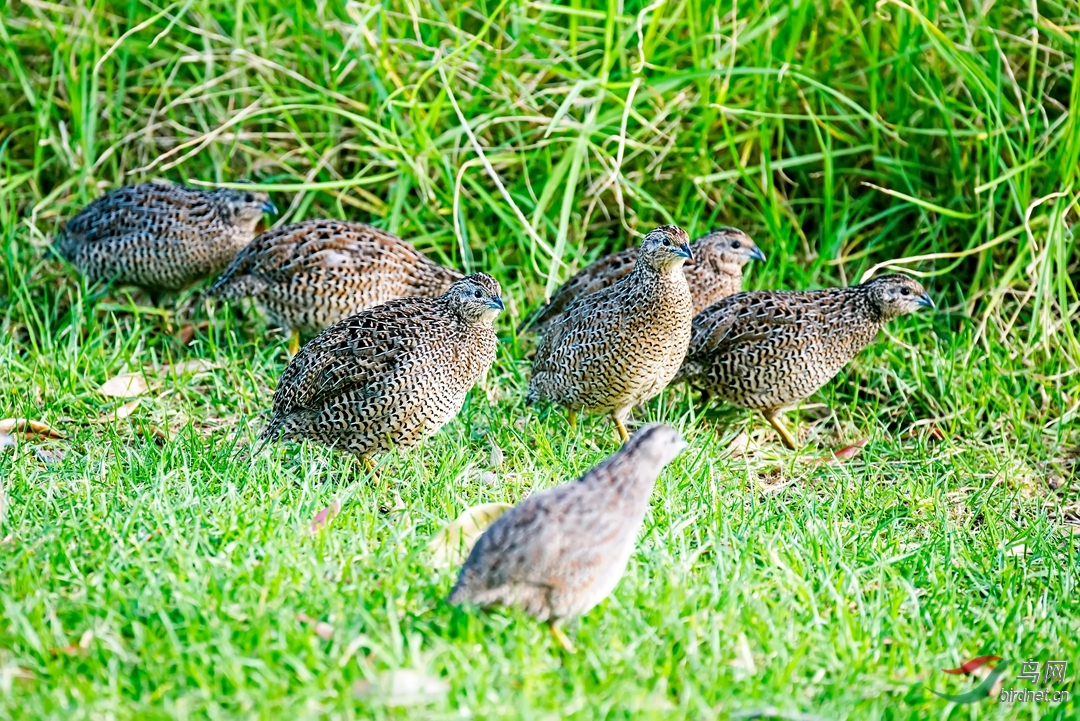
(309, 275)
(767, 350)
(717, 270)
(620, 346)
(159, 236)
(559, 553)
(391, 375)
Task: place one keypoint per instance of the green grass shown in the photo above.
(839, 135)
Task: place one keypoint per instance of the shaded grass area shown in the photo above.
(765, 580)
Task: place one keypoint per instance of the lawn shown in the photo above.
(152, 566)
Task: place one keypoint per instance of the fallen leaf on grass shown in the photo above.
(323, 517)
(451, 546)
(28, 428)
(125, 385)
(6, 441)
(322, 629)
(187, 332)
(739, 446)
(496, 458)
(403, 687)
(743, 663)
(199, 365)
(49, 456)
(127, 409)
(848, 452)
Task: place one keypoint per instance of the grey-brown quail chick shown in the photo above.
(767, 350)
(716, 273)
(159, 236)
(620, 346)
(391, 375)
(559, 553)
(309, 275)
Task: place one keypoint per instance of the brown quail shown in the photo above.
(391, 375)
(767, 350)
(620, 346)
(716, 273)
(559, 553)
(312, 274)
(161, 237)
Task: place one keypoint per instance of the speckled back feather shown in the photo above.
(309, 275)
(767, 349)
(719, 257)
(160, 236)
(619, 346)
(560, 552)
(391, 375)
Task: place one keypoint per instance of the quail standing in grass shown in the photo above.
(559, 553)
(159, 236)
(717, 270)
(620, 346)
(767, 350)
(391, 375)
(312, 274)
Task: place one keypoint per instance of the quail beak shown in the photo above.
(496, 303)
(756, 254)
(925, 301)
(684, 251)
(268, 207)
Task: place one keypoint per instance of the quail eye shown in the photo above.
(905, 291)
(736, 244)
(477, 294)
(667, 241)
(249, 198)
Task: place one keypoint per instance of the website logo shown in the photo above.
(1051, 673)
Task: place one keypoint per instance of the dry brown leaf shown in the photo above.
(49, 456)
(497, 457)
(28, 428)
(450, 546)
(126, 410)
(739, 446)
(851, 451)
(125, 385)
(403, 687)
(324, 631)
(187, 332)
(198, 365)
(323, 517)
(743, 663)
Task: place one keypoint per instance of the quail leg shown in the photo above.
(368, 464)
(623, 435)
(773, 417)
(571, 416)
(294, 343)
(561, 637)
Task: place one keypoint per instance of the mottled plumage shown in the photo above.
(716, 273)
(767, 350)
(620, 346)
(309, 275)
(162, 237)
(559, 553)
(391, 375)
